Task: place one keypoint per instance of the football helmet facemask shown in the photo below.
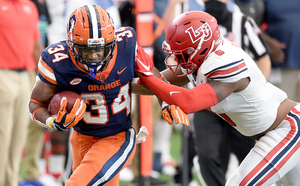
(90, 27)
(189, 39)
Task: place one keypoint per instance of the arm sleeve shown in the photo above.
(201, 97)
(144, 63)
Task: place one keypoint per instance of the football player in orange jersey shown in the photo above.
(99, 63)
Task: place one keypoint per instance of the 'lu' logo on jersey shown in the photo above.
(203, 31)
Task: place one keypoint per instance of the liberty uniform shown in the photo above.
(252, 111)
(242, 31)
(108, 99)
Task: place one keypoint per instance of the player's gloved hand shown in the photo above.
(65, 120)
(144, 63)
(173, 114)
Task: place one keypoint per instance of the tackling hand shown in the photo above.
(67, 120)
(144, 63)
(172, 113)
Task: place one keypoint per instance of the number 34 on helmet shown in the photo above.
(91, 29)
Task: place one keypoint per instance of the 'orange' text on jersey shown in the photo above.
(104, 87)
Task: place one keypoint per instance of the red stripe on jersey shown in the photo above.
(227, 119)
(227, 71)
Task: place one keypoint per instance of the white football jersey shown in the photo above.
(252, 110)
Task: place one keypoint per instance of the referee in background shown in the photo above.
(215, 139)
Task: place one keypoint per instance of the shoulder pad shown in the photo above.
(125, 37)
(125, 30)
(227, 69)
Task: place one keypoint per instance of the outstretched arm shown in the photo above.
(201, 97)
(166, 75)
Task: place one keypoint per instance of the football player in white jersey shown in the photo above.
(228, 82)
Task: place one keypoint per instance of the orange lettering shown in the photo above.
(118, 82)
(113, 84)
(107, 86)
(96, 87)
(102, 87)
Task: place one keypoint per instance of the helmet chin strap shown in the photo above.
(211, 48)
(198, 47)
(93, 69)
(93, 72)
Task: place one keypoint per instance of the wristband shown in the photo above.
(164, 104)
(49, 122)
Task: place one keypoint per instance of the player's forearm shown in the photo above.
(172, 79)
(201, 97)
(39, 114)
(140, 89)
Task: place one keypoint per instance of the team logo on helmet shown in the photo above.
(72, 22)
(203, 31)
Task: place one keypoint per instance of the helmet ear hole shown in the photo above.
(203, 51)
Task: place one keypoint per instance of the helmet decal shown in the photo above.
(166, 45)
(93, 21)
(203, 31)
(111, 20)
(72, 22)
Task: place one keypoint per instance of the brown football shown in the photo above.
(54, 104)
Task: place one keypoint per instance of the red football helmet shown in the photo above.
(90, 27)
(189, 39)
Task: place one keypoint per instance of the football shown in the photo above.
(54, 104)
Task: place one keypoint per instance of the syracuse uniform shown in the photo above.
(251, 111)
(105, 134)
